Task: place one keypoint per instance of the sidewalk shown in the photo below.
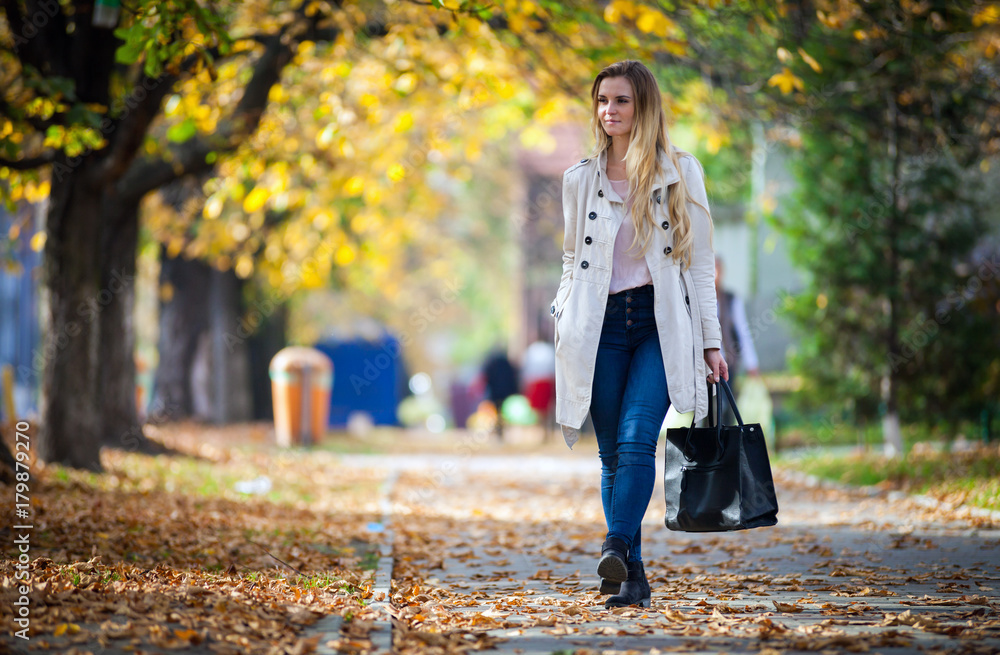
(500, 552)
(462, 544)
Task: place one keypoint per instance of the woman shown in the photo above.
(635, 314)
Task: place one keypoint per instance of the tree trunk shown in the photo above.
(70, 412)
(8, 465)
(183, 319)
(202, 350)
(892, 437)
(120, 416)
(230, 367)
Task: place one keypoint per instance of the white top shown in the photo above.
(628, 269)
(539, 362)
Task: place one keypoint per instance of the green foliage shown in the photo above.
(160, 34)
(893, 217)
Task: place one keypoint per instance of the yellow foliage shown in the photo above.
(35, 193)
(175, 246)
(396, 172)
(345, 255)
(987, 15)
(244, 266)
(404, 122)
(373, 194)
(619, 9)
(536, 137)
(347, 144)
(255, 199)
(786, 81)
(813, 64)
(405, 83)
(354, 186)
(652, 21)
(213, 207)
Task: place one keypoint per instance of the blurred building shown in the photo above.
(538, 221)
(20, 281)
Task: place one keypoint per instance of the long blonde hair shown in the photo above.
(642, 160)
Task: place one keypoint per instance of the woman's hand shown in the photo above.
(717, 365)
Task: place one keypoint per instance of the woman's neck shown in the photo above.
(616, 153)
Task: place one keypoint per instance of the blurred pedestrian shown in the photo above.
(633, 227)
(737, 340)
(538, 383)
(501, 383)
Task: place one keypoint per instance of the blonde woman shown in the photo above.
(635, 314)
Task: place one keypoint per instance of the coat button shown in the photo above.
(665, 225)
(592, 215)
(687, 300)
(667, 250)
(657, 199)
(628, 322)
(584, 265)
(588, 241)
(552, 310)
(600, 193)
(628, 310)
(582, 160)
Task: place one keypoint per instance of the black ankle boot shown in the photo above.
(634, 591)
(608, 587)
(612, 566)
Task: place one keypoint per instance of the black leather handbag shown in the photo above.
(718, 478)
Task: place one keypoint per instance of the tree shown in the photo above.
(899, 119)
(69, 104)
(329, 125)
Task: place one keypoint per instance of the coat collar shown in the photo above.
(668, 172)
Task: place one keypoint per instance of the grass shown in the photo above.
(970, 477)
(800, 430)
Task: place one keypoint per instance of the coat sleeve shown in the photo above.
(702, 256)
(569, 203)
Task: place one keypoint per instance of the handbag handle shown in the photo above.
(732, 402)
(718, 420)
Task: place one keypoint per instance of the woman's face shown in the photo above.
(616, 106)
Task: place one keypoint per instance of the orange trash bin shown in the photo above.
(301, 382)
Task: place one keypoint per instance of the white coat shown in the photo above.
(684, 301)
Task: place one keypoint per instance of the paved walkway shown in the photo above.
(499, 553)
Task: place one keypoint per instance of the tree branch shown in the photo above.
(29, 163)
(130, 130)
(189, 158)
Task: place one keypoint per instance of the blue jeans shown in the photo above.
(628, 406)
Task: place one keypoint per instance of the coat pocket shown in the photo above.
(684, 293)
